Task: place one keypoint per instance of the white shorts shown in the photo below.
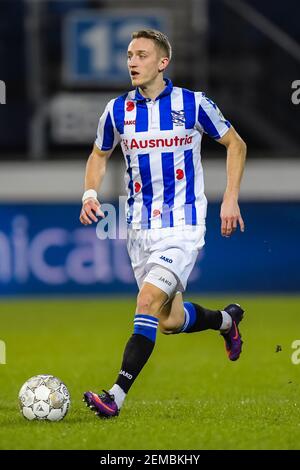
(174, 248)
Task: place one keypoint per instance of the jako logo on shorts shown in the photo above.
(162, 279)
(164, 258)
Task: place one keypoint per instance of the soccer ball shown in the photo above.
(44, 397)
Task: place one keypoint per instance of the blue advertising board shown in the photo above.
(45, 250)
(95, 43)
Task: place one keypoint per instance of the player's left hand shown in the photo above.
(230, 217)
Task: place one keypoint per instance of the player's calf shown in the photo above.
(172, 315)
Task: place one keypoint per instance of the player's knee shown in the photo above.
(147, 302)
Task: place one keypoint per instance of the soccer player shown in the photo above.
(160, 127)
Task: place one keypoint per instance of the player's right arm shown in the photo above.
(94, 174)
(106, 140)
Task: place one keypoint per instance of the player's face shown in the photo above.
(143, 61)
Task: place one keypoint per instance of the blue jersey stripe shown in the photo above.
(108, 134)
(190, 208)
(130, 200)
(207, 124)
(141, 123)
(165, 116)
(147, 190)
(119, 113)
(189, 106)
(167, 160)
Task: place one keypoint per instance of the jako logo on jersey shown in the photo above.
(128, 376)
(162, 279)
(129, 122)
(143, 144)
(164, 258)
(129, 106)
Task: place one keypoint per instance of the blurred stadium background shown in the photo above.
(61, 60)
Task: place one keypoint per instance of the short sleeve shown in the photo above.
(107, 135)
(210, 118)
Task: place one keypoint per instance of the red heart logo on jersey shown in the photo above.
(179, 174)
(137, 187)
(130, 106)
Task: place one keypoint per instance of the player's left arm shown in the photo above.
(236, 156)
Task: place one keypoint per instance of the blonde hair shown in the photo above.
(159, 38)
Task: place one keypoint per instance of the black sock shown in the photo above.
(205, 319)
(136, 354)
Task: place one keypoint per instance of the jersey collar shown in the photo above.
(166, 91)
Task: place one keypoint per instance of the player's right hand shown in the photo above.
(90, 209)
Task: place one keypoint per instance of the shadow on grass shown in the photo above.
(18, 421)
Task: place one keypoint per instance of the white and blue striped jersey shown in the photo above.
(161, 143)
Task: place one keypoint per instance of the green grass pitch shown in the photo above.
(189, 396)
